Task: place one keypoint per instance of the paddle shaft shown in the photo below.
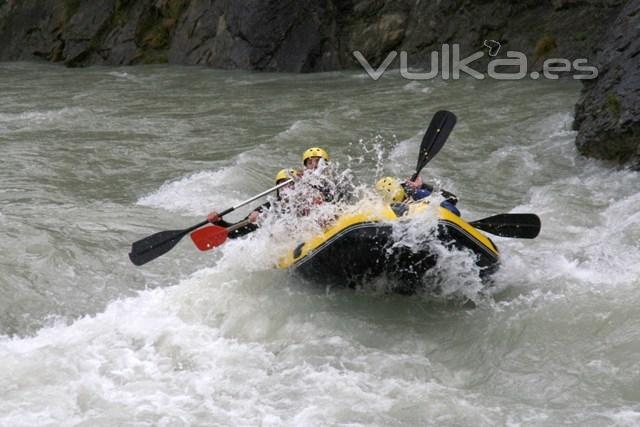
(153, 246)
(233, 208)
(239, 205)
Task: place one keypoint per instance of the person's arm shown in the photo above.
(243, 230)
(419, 190)
(416, 189)
(251, 225)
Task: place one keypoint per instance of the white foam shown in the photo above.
(304, 129)
(198, 193)
(455, 274)
(38, 117)
(556, 126)
(135, 360)
(417, 87)
(626, 417)
(351, 113)
(198, 353)
(403, 154)
(370, 153)
(122, 75)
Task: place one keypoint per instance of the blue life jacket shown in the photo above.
(421, 193)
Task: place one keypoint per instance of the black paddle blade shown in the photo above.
(152, 247)
(434, 138)
(518, 225)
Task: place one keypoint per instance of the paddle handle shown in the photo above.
(418, 170)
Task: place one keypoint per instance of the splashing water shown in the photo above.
(96, 158)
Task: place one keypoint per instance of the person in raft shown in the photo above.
(395, 191)
(252, 219)
(316, 161)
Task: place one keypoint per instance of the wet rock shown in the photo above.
(82, 26)
(294, 35)
(276, 35)
(608, 113)
(376, 38)
(30, 29)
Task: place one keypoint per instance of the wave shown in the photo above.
(306, 129)
(39, 117)
(198, 193)
(417, 87)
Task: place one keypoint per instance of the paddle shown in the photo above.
(518, 225)
(213, 236)
(158, 244)
(524, 226)
(437, 133)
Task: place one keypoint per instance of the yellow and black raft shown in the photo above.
(360, 246)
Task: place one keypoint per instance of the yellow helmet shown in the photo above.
(286, 174)
(391, 189)
(314, 152)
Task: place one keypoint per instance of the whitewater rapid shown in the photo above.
(97, 158)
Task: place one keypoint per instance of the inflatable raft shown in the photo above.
(361, 246)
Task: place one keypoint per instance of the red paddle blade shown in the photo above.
(209, 237)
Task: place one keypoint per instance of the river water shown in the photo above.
(94, 159)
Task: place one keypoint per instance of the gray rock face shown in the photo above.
(270, 35)
(29, 29)
(608, 112)
(294, 35)
(274, 35)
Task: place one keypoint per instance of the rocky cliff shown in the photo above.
(321, 35)
(608, 112)
(292, 35)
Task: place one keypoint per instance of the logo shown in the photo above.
(448, 64)
(494, 47)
